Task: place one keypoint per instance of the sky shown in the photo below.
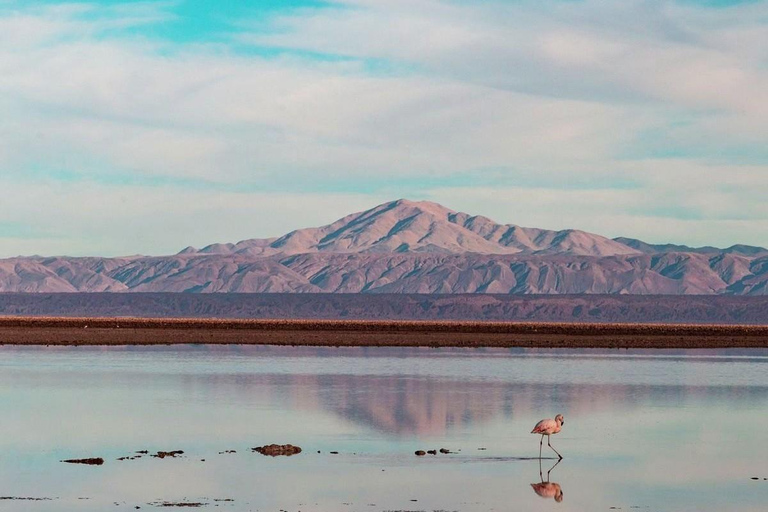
(145, 127)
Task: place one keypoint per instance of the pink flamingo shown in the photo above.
(547, 428)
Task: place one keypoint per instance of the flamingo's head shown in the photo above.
(559, 496)
(559, 418)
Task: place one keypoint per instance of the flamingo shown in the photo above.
(547, 428)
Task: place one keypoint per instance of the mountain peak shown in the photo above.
(424, 205)
(396, 226)
(407, 226)
(410, 207)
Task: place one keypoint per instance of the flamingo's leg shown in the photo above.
(553, 448)
(541, 443)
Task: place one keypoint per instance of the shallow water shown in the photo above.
(644, 430)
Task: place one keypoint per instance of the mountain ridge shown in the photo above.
(699, 309)
(496, 238)
(423, 226)
(410, 247)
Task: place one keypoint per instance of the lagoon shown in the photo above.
(644, 429)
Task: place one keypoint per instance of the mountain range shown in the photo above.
(410, 247)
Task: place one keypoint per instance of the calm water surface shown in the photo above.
(644, 430)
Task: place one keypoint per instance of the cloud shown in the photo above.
(26, 26)
(661, 55)
(234, 119)
(651, 110)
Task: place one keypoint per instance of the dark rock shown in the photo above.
(190, 504)
(274, 450)
(94, 461)
(444, 450)
(334, 453)
(9, 498)
(420, 453)
(162, 455)
(432, 452)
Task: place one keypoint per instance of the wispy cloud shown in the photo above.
(658, 108)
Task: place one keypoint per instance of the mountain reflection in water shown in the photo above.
(407, 406)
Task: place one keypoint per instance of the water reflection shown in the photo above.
(431, 407)
(547, 489)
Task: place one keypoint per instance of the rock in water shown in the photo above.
(93, 461)
(274, 450)
(162, 455)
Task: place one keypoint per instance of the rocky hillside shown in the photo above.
(411, 247)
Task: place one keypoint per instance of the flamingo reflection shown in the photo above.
(547, 489)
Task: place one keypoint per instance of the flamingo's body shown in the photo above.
(547, 428)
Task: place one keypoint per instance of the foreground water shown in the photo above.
(644, 430)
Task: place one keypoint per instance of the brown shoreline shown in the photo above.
(155, 331)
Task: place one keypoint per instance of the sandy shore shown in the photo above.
(150, 331)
